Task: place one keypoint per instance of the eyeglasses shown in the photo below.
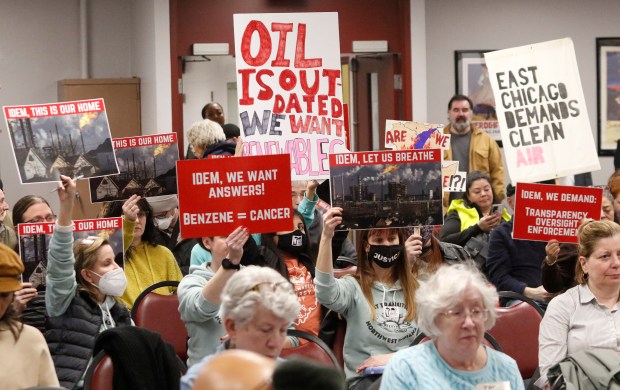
(459, 314)
(48, 218)
(272, 285)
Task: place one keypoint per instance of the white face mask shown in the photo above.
(163, 223)
(112, 283)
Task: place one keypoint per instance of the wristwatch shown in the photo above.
(227, 264)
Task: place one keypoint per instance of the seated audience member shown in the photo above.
(287, 252)
(585, 316)
(207, 138)
(199, 294)
(558, 269)
(166, 217)
(305, 198)
(614, 187)
(455, 307)
(258, 305)
(469, 220)
(232, 132)
(236, 369)
(26, 358)
(304, 374)
(7, 230)
(514, 265)
(146, 262)
(435, 253)
(83, 283)
(29, 301)
(377, 302)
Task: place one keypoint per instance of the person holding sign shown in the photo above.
(435, 254)
(471, 219)
(585, 316)
(377, 303)
(83, 284)
(199, 293)
(455, 307)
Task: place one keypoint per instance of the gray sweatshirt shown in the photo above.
(204, 326)
(366, 337)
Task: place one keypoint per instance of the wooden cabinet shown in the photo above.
(122, 103)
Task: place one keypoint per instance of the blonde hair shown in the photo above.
(590, 233)
(205, 133)
(85, 254)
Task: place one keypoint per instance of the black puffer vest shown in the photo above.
(71, 336)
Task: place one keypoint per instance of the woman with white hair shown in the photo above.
(207, 137)
(258, 305)
(455, 307)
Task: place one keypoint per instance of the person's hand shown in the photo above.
(488, 222)
(23, 296)
(131, 209)
(331, 219)
(538, 294)
(235, 242)
(374, 361)
(413, 246)
(552, 249)
(66, 189)
(311, 186)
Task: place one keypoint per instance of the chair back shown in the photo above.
(100, 373)
(160, 314)
(315, 349)
(516, 330)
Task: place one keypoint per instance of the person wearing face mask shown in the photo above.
(377, 302)
(83, 284)
(288, 253)
(166, 218)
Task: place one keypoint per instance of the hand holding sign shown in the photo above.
(331, 219)
(413, 246)
(552, 249)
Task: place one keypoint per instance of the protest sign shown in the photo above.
(67, 138)
(414, 135)
(218, 195)
(541, 111)
(147, 168)
(544, 211)
(34, 243)
(290, 88)
(388, 188)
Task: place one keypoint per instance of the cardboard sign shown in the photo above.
(34, 243)
(290, 88)
(545, 211)
(542, 111)
(413, 135)
(388, 188)
(147, 168)
(68, 138)
(218, 195)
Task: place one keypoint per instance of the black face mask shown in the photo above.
(385, 256)
(294, 243)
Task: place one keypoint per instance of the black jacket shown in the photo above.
(71, 336)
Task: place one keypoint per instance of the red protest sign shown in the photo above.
(217, 195)
(544, 211)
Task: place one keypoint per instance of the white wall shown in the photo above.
(40, 45)
(492, 24)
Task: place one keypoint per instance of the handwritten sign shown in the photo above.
(218, 195)
(414, 135)
(542, 111)
(290, 88)
(544, 211)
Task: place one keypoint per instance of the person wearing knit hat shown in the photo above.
(28, 362)
(166, 218)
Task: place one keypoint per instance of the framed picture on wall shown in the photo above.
(608, 91)
(472, 79)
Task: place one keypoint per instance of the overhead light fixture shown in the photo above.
(210, 49)
(370, 46)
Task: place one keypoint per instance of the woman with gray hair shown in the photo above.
(258, 305)
(207, 137)
(455, 307)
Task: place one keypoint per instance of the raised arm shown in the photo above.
(331, 219)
